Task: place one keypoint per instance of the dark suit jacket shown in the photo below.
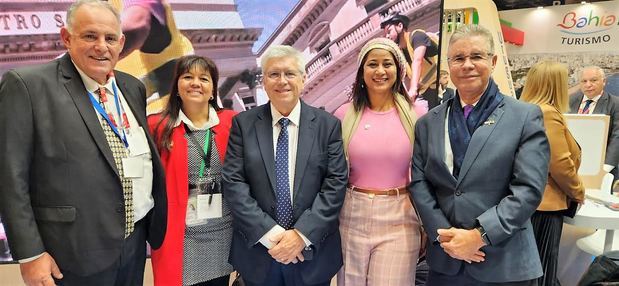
(607, 104)
(318, 192)
(60, 190)
(500, 185)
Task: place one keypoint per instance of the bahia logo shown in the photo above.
(587, 24)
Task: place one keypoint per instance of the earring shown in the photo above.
(362, 85)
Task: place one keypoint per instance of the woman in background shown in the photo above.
(191, 134)
(379, 227)
(546, 86)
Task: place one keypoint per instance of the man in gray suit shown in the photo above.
(594, 100)
(284, 178)
(82, 186)
(480, 163)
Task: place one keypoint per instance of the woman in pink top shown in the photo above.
(379, 227)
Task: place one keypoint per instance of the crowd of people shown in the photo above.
(286, 193)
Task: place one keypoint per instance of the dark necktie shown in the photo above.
(585, 109)
(467, 110)
(119, 151)
(282, 188)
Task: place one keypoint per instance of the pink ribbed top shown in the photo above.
(380, 151)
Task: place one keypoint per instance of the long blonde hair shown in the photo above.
(547, 84)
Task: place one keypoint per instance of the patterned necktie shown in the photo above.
(585, 109)
(119, 151)
(282, 187)
(467, 111)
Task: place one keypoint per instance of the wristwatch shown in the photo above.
(484, 235)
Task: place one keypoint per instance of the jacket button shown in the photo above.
(458, 193)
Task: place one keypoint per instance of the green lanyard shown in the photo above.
(205, 152)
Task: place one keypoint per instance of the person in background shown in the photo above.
(480, 165)
(82, 184)
(594, 100)
(285, 178)
(546, 87)
(191, 135)
(445, 92)
(381, 235)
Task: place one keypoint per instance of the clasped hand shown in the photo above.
(288, 247)
(462, 244)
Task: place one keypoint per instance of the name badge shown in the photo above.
(210, 206)
(138, 144)
(133, 167)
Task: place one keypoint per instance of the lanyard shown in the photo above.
(205, 151)
(107, 118)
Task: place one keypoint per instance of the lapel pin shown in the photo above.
(489, 122)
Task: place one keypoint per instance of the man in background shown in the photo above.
(594, 100)
(445, 92)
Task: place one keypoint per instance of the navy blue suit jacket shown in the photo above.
(318, 192)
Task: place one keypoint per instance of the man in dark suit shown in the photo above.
(480, 163)
(284, 178)
(82, 186)
(594, 100)
(445, 92)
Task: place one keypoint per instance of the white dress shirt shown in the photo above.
(293, 140)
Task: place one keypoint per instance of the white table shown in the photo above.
(595, 215)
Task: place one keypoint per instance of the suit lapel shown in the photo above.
(264, 133)
(77, 91)
(601, 104)
(438, 141)
(478, 140)
(304, 145)
(575, 103)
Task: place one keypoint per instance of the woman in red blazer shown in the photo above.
(191, 135)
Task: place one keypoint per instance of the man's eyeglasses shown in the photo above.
(287, 74)
(474, 57)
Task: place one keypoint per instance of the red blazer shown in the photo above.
(168, 260)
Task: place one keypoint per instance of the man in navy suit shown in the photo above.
(480, 163)
(284, 178)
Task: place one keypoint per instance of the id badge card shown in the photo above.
(138, 144)
(210, 206)
(133, 167)
(191, 218)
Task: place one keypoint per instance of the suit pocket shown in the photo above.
(55, 214)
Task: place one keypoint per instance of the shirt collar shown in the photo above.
(92, 85)
(213, 120)
(595, 99)
(294, 116)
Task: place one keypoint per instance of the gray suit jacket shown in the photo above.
(318, 193)
(60, 189)
(501, 183)
(607, 104)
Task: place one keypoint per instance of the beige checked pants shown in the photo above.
(380, 240)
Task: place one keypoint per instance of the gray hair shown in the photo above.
(280, 51)
(471, 30)
(93, 3)
(596, 68)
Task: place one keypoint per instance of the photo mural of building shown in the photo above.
(29, 34)
(330, 34)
